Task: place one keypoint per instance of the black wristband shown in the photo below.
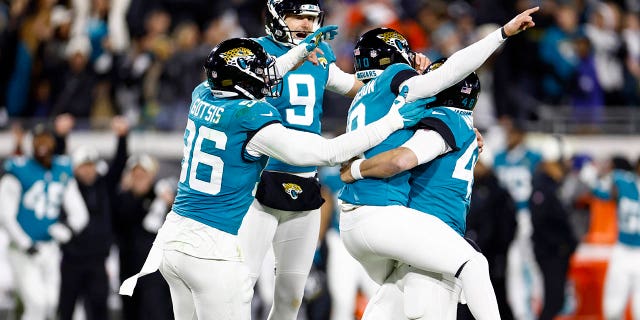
(504, 35)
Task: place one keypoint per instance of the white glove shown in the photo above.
(60, 233)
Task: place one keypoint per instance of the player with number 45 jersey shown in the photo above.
(230, 134)
(33, 193)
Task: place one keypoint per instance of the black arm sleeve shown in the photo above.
(116, 167)
(441, 128)
(401, 77)
(61, 145)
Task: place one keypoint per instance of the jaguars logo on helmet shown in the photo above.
(240, 66)
(292, 189)
(462, 95)
(379, 48)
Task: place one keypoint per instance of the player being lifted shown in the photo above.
(229, 136)
(376, 226)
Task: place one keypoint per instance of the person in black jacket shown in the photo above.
(491, 224)
(84, 274)
(553, 237)
(140, 206)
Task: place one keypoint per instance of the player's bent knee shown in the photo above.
(477, 261)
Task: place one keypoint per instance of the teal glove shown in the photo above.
(324, 33)
(411, 112)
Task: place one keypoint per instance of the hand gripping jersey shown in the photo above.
(218, 176)
(370, 104)
(442, 186)
(628, 208)
(515, 170)
(300, 105)
(42, 193)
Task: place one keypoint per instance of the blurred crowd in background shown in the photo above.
(141, 58)
(79, 63)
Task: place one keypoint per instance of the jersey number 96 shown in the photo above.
(195, 157)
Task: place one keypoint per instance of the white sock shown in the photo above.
(481, 299)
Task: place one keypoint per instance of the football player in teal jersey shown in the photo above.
(377, 227)
(33, 191)
(621, 282)
(287, 221)
(230, 134)
(439, 159)
(514, 168)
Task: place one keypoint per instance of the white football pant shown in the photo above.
(415, 294)
(523, 276)
(622, 282)
(294, 236)
(378, 237)
(207, 289)
(344, 277)
(37, 280)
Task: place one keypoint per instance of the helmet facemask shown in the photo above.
(272, 79)
(277, 12)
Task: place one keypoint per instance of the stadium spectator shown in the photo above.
(84, 276)
(602, 30)
(133, 203)
(558, 54)
(553, 239)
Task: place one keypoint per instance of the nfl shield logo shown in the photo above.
(466, 90)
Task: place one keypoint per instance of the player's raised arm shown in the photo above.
(467, 60)
(304, 149)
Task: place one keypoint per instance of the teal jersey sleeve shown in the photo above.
(628, 207)
(371, 103)
(442, 187)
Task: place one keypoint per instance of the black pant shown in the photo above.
(84, 279)
(554, 273)
(150, 301)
